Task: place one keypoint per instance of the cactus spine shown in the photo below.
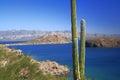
(76, 73)
(82, 50)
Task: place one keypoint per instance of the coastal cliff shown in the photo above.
(103, 42)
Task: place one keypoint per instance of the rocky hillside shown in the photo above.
(16, 66)
(50, 39)
(103, 42)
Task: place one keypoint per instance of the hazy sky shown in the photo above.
(102, 16)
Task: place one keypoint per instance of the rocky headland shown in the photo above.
(50, 39)
(9, 57)
(103, 42)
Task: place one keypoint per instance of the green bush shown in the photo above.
(12, 71)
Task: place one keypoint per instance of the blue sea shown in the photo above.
(101, 63)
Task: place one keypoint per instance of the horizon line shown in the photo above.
(54, 31)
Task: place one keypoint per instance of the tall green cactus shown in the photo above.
(76, 73)
(82, 50)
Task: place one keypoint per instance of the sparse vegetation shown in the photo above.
(19, 67)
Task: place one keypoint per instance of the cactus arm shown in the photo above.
(82, 50)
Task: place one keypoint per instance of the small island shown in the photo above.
(103, 42)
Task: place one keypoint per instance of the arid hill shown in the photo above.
(50, 39)
(103, 42)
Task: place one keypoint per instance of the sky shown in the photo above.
(102, 16)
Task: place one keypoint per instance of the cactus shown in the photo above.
(82, 50)
(76, 73)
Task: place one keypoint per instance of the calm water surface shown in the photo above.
(101, 63)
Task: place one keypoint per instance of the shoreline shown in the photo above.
(47, 66)
(19, 44)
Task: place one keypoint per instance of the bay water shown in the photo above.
(101, 63)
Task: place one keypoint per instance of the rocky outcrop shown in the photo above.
(103, 42)
(50, 39)
(53, 68)
(8, 50)
(5, 61)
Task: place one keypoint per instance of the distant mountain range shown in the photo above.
(25, 35)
